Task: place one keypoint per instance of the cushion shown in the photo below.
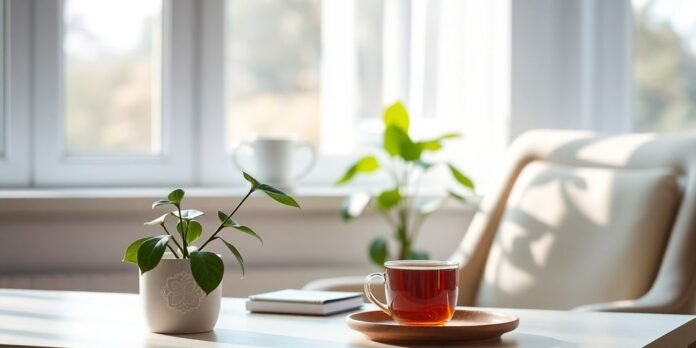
(574, 235)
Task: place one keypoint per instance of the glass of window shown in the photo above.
(112, 69)
(664, 65)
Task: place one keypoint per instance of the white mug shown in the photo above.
(274, 158)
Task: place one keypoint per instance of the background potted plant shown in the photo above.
(181, 287)
(399, 204)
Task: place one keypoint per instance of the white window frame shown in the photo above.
(174, 165)
(15, 160)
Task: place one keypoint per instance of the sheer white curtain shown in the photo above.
(495, 69)
(489, 70)
(461, 78)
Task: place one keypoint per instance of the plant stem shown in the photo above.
(229, 216)
(173, 252)
(173, 239)
(183, 233)
(403, 210)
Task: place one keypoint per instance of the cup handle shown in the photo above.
(313, 157)
(371, 297)
(235, 154)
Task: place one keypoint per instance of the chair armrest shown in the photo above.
(652, 302)
(353, 284)
(631, 306)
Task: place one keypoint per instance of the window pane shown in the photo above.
(272, 68)
(369, 32)
(665, 65)
(112, 75)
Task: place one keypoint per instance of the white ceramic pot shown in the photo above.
(174, 303)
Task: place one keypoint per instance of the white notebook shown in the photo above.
(292, 301)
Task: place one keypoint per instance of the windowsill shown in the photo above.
(87, 200)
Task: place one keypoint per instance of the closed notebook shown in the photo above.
(292, 301)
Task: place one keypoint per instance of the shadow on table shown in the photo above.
(519, 340)
(265, 340)
(261, 339)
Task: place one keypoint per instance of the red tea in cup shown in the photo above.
(422, 293)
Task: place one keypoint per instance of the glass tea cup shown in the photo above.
(418, 292)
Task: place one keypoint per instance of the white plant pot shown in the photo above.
(174, 303)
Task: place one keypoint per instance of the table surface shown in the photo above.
(83, 319)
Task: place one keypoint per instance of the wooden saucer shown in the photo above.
(466, 325)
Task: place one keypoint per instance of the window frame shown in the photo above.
(15, 161)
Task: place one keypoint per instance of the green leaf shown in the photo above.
(460, 177)
(423, 164)
(436, 144)
(254, 183)
(151, 251)
(393, 137)
(428, 205)
(207, 269)
(181, 228)
(188, 214)
(418, 255)
(388, 199)
(195, 229)
(379, 251)
(366, 164)
(458, 197)
(247, 230)
(430, 145)
(236, 253)
(449, 136)
(244, 229)
(278, 195)
(410, 151)
(468, 201)
(176, 196)
(161, 202)
(131, 254)
(158, 221)
(223, 218)
(396, 115)
(398, 143)
(354, 205)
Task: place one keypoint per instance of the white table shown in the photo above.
(61, 318)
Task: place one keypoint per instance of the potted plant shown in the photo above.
(179, 282)
(401, 208)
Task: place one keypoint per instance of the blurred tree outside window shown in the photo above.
(273, 57)
(664, 65)
(272, 68)
(112, 76)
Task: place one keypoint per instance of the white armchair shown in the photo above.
(583, 222)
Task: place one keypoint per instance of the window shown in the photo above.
(664, 65)
(159, 92)
(113, 93)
